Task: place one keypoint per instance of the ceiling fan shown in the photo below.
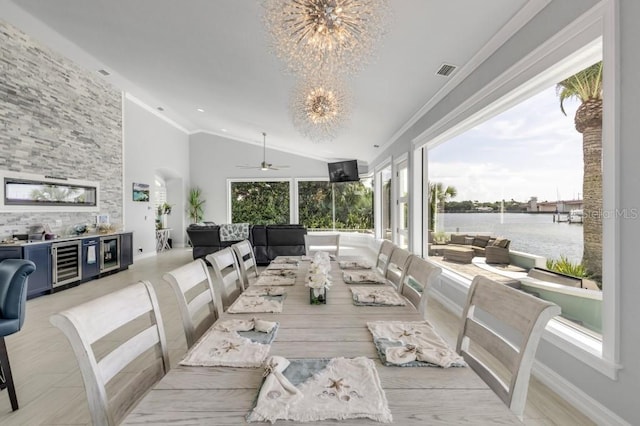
(264, 165)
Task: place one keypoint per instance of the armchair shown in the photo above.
(13, 301)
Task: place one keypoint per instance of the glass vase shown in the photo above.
(318, 296)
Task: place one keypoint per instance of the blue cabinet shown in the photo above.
(90, 258)
(126, 250)
(39, 282)
(40, 279)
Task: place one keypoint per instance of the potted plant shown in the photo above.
(164, 210)
(196, 205)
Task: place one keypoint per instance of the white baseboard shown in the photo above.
(576, 397)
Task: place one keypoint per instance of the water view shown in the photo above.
(530, 233)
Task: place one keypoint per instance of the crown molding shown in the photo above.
(128, 96)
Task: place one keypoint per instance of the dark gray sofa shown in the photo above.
(269, 241)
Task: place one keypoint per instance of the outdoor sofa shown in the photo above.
(494, 250)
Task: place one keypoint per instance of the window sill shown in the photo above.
(581, 346)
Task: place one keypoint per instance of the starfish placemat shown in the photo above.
(292, 260)
(246, 304)
(363, 277)
(233, 343)
(282, 266)
(374, 296)
(412, 344)
(355, 264)
(273, 280)
(306, 390)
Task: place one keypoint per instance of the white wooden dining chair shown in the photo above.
(227, 281)
(398, 262)
(382, 260)
(322, 242)
(246, 261)
(198, 303)
(416, 280)
(120, 344)
(499, 335)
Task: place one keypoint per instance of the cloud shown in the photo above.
(530, 150)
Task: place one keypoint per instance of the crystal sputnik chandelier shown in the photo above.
(335, 36)
(319, 109)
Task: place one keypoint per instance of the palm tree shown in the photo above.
(586, 86)
(437, 197)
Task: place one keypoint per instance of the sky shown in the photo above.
(531, 150)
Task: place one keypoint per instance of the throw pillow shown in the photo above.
(501, 242)
(480, 241)
(457, 238)
(468, 241)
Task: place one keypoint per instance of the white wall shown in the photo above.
(153, 146)
(617, 396)
(213, 160)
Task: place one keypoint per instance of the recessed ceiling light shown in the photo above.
(104, 72)
(160, 109)
(376, 146)
(200, 110)
(224, 130)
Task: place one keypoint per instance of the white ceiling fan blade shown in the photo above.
(263, 165)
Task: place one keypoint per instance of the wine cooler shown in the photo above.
(109, 253)
(67, 267)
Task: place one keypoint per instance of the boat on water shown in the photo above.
(575, 216)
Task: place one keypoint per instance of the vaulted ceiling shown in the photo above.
(214, 55)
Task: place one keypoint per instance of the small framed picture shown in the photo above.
(102, 219)
(140, 192)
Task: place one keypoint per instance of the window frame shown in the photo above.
(571, 49)
(378, 196)
(230, 181)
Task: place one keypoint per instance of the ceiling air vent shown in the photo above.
(104, 72)
(446, 70)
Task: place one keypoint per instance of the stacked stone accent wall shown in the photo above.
(60, 120)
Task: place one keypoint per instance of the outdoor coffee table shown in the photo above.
(458, 254)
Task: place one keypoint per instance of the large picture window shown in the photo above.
(260, 203)
(346, 206)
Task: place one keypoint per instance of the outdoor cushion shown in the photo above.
(480, 241)
(458, 239)
(501, 242)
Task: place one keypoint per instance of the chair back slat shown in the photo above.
(227, 280)
(204, 306)
(382, 261)
(123, 355)
(398, 261)
(141, 353)
(499, 334)
(246, 262)
(421, 274)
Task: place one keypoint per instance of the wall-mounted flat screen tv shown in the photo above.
(344, 171)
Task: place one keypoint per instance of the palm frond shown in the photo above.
(584, 85)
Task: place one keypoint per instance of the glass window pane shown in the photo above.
(260, 203)
(353, 205)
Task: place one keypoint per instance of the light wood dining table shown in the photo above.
(416, 395)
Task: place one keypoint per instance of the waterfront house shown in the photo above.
(71, 104)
